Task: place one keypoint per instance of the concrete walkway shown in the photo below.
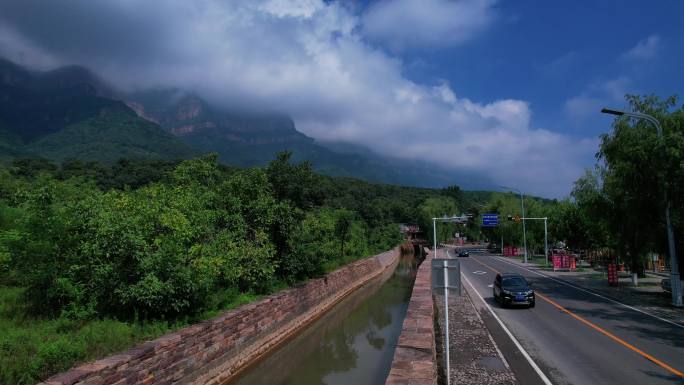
(474, 357)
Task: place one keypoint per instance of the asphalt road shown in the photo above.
(578, 338)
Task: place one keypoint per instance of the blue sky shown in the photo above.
(507, 89)
(550, 52)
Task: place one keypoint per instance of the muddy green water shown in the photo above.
(353, 343)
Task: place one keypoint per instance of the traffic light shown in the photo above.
(514, 218)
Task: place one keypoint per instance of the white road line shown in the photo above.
(590, 292)
(510, 335)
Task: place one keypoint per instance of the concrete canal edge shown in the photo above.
(415, 361)
(216, 350)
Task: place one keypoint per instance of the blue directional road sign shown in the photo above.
(490, 220)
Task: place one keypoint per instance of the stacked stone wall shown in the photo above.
(415, 361)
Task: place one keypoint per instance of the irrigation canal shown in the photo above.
(353, 343)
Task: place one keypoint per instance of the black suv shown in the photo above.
(463, 253)
(513, 289)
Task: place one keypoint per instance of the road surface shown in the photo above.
(575, 337)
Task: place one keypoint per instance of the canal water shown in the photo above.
(353, 343)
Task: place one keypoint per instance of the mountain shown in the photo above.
(250, 138)
(240, 138)
(70, 113)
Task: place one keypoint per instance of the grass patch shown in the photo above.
(32, 348)
(539, 262)
(35, 348)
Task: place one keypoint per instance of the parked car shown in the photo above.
(513, 289)
(464, 253)
(666, 285)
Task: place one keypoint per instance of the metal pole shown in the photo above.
(446, 320)
(675, 282)
(446, 299)
(546, 245)
(522, 205)
(434, 236)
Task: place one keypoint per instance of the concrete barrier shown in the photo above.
(216, 350)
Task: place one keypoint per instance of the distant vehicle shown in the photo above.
(513, 289)
(665, 284)
(464, 253)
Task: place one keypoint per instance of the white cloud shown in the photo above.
(581, 107)
(599, 94)
(416, 24)
(645, 49)
(614, 89)
(13, 45)
(292, 8)
(307, 59)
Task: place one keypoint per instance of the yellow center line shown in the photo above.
(598, 328)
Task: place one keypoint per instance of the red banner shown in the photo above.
(510, 251)
(612, 275)
(564, 262)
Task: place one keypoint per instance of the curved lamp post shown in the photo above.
(675, 282)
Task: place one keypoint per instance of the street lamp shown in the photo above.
(674, 265)
(522, 207)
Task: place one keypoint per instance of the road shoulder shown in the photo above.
(475, 358)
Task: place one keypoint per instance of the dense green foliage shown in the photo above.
(34, 348)
(620, 205)
(164, 247)
(140, 247)
(116, 132)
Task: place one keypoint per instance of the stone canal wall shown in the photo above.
(415, 361)
(214, 351)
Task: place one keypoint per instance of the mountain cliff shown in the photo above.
(70, 113)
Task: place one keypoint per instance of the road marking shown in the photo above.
(592, 293)
(511, 336)
(479, 272)
(613, 337)
(602, 330)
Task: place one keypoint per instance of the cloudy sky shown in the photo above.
(509, 89)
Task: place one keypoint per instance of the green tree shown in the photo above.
(295, 183)
(640, 169)
(434, 207)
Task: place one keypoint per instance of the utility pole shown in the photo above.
(546, 244)
(546, 236)
(522, 208)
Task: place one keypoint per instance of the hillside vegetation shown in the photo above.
(94, 258)
(68, 113)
